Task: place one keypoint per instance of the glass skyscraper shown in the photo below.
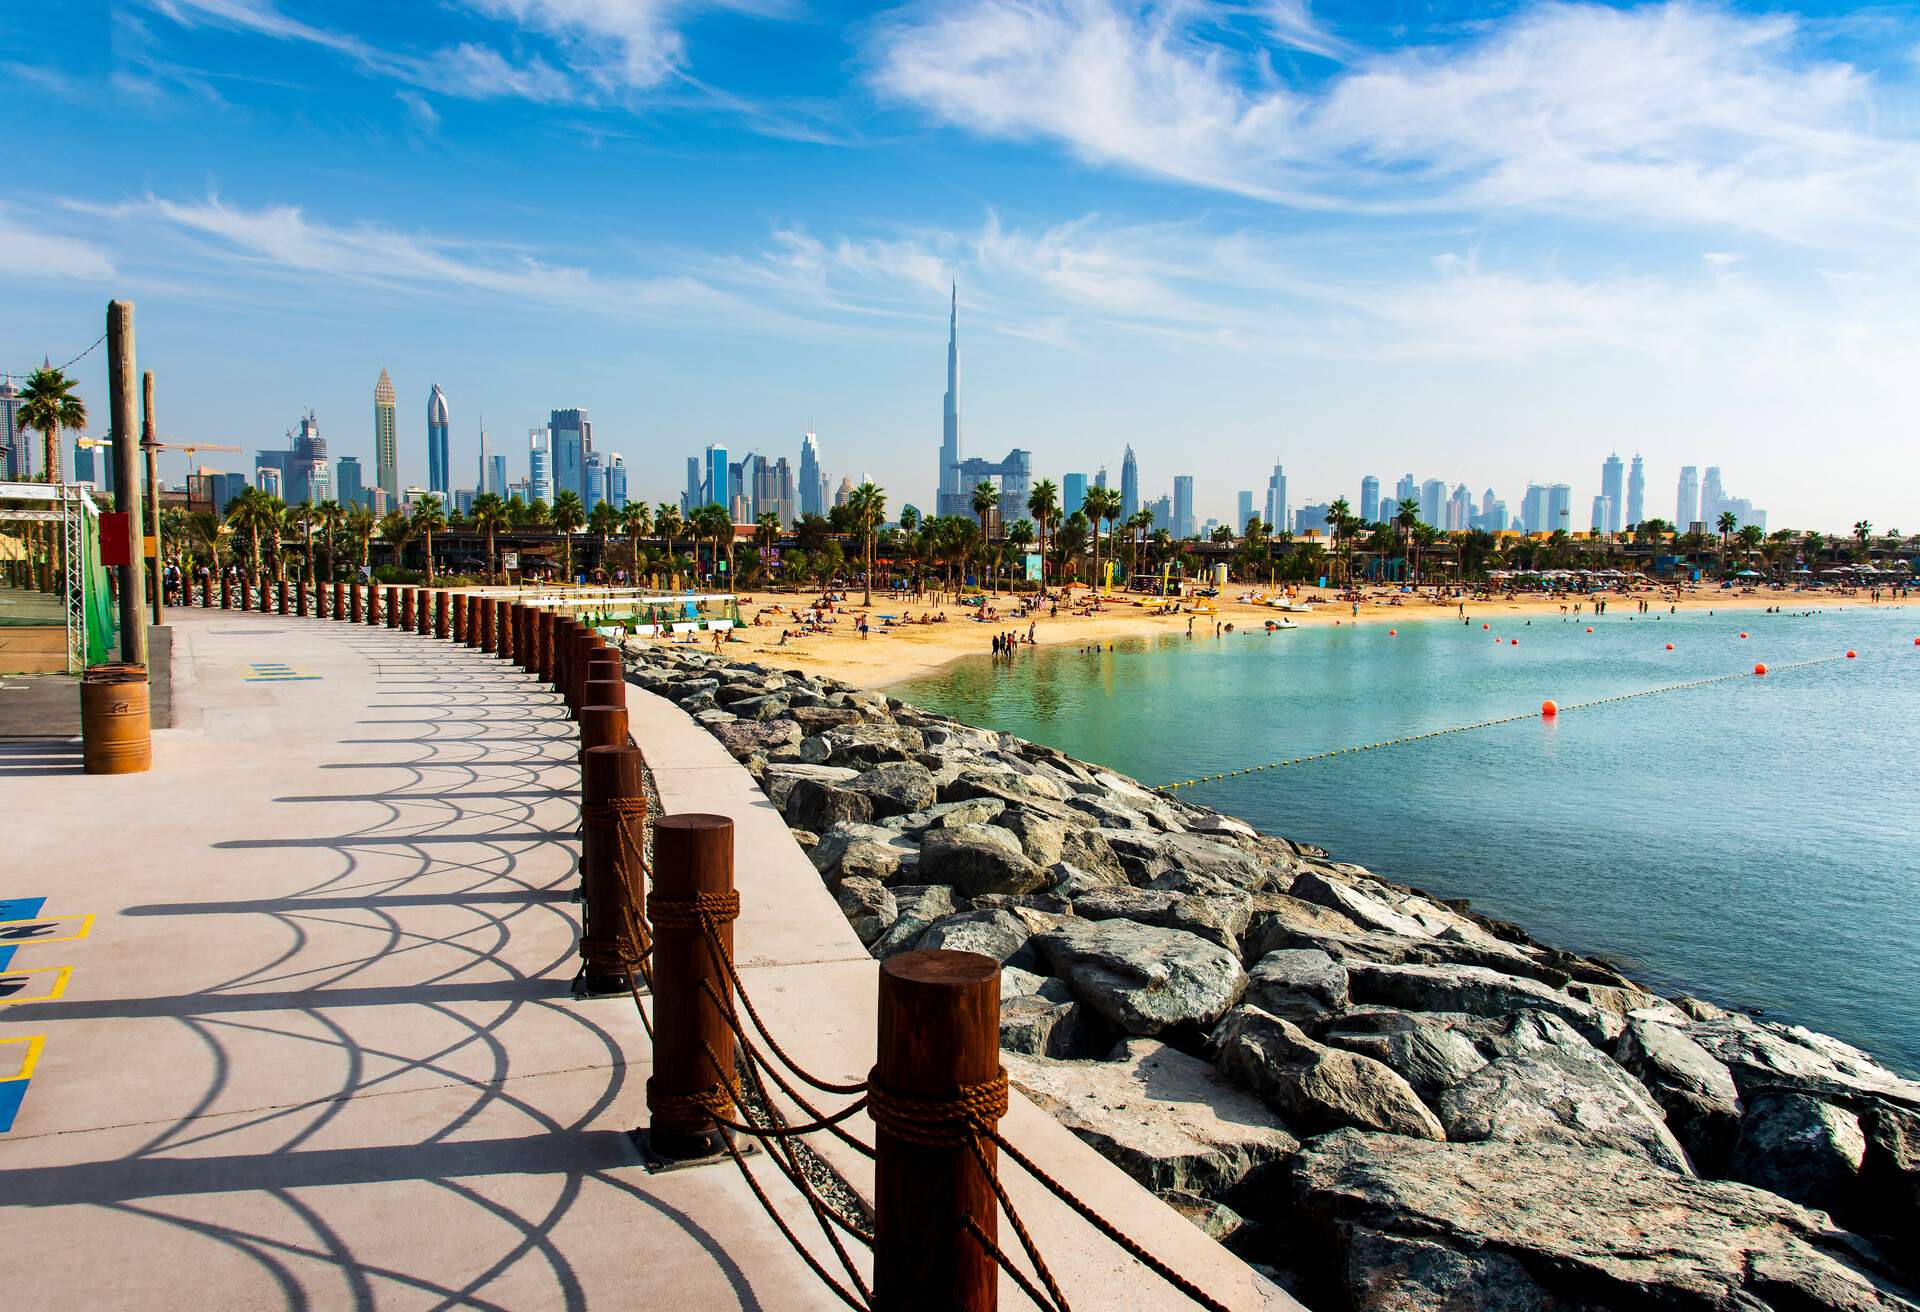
(350, 493)
(1073, 493)
(386, 439)
(572, 438)
(539, 467)
(1613, 477)
(616, 481)
(1129, 485)
(1183, 525)
(813, 483)
(439, 471)
(1370, 499)
(719, 482)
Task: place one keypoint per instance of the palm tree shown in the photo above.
(602, 521)
(202, 530)
(766, 527)
(429, 515)
(490, 514)
(666, 521)
(867, 509)
(331, 516)
(1020, 536)
(985, 497)
(569, 516)
(1407, 520)
(252, 511)
(1101, 503)
(301, 520)
(1862, 529)
(1727, 522)
(360, 527)
(48, 405)
(397, 529)
(636, 518)
(1043, 503)
(1340, 526)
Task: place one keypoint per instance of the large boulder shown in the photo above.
(1357, 905)
(1303, 985)
(1086, 851)
(818, 805)
(1219, 918)
(1764, 1057)
(1691, 1085)
(1888, 1201)
(867, 745)
(1316, 1087)
(868, 906)
(1551, 1086)
(779, 778)
(978, 859)
(894, 789)
(743, 738)
(991, 933)
(1802, 1148)
(1142, 979)
(1421, 1048)
(1281, 920)
(854, 850)
(1042, 837)
(1041, 1027)
(1166, 1119)
(1476, 991)
(919, 906)
(1532, 1226)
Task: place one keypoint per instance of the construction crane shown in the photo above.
(188, 447)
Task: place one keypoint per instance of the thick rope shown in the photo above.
(760, 1063)
(999, 1255)
(704, 1104)
(746, 1000)
(1019, 1226)
(952, 1122)
(695, 912)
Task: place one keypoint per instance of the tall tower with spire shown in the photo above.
(439, 472)
(949, 484)
(386, 440)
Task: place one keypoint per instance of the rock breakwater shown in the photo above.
(1386, 1100)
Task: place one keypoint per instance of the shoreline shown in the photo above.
(899, 655)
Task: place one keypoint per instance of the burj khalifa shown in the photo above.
(951, 496)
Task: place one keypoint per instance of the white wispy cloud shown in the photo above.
(1680, 113)
(29, 252)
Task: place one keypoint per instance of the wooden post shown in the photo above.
(693, 859)
(602, 724)
(373, 605)
(939, 1036)
(613, 887)
(206, 592)
(502, 627)
(483, 639)
(285, 606)
(149, 443)
(605, 667)
(121, 400)
(543, 644)
(226, 592)
(357, 615)
(423, 602)
(601, 692)
(406, 608)
(562, 654)
(339, 601)
(393, 606)
(584, 647)
(523, 639)
(459, 621)
(440, 629)
(246, 594)
(300, 598)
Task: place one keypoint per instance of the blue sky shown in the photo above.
(1483, 243)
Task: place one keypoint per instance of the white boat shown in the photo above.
(1282, 623)
(1295, 607)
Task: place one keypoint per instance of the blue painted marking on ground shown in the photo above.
(21, 908)
(11, 1092)
(276, 672)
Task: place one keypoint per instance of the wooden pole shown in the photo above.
(459, 621)
(285, 608)
(226, 592)
(373, 606)
(693, 858)
(149, 443)
(357, 604)
(393, 606)
(440, 629)
(423, 601)
(604, 667)
(339, 601)
(300, 597)
(585, 646)
(406, 608)
(206, 592)
(613, 887)
(543, 644)
(503, 629)
(939, 1035)
(602, 724)
(126, 480)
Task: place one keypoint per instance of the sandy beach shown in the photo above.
(894, 654)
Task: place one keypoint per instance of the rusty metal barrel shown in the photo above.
(116, 726)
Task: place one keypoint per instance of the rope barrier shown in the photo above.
(1479, 724)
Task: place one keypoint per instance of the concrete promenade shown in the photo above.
(313, 1046)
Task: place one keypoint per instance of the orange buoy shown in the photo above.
(1849, 653)
(1393, 633)
(1514, 641)
(1760, 669)
(1916, 641)
(1669, 646)
(1589, 628)
(1549, 708)
(1743, 635)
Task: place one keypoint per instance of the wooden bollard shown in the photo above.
(602, 724)
(300, 598)
(483, 639)
(339, 601)
(246, 593)
(613, 887)
(406, 608)
(503, 630)
(596, 693)
(226, 592)
(440, 629)
(692, 874)
(564, 631)
(458, 631)
(393, 606)
(938, 1051)
(523, 639)
(423, 606)
(543, 644)
(373, 606)
(286, 601)
(604, 682)
(206, 592)
(584, 647)
(356, 605)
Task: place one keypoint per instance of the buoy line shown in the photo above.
(1485, 724)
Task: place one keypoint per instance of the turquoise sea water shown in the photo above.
(1754, 841)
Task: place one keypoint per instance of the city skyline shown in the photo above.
(1492, 249)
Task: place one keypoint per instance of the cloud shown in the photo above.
(28, 253)
(1679, 114)
(422, 114)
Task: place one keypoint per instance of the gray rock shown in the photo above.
(1166, 1119)
(1280, 920)
(1219, 919)
(1085, 850)
(868, 907)
(768, 707)
(1040, 1027)
(1357, 905)
(1888, 1202)
(951, 815)
(1314, 1086)
(1042, 838)
(1206, 858)
(1560, 1094)
(868, 745)
(1213, 1218)
(711, 718)
(1018, 983)
(818, 719)
(1420, 1048)
(1476, 991)
(779, 778)
(919, 906)
(1764, 1057)
(814, 749)
(1068, 881)
(1142, 979)
(1801, 1148)
(1694, 1090)
(894, 789)
(978, 859)
(851, 849)
(992, 933)
(1589, 1232)
(817, 805)
(743, 737)
(1107, 813)
(1302, 985)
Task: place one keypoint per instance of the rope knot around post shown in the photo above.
(969, 1113)
(692, 907)
(696, 912)
(613, 813)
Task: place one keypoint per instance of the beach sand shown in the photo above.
(891, 656)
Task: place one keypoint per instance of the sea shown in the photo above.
(1753, 840)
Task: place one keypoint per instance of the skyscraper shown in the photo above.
(572, 439)
(1370, 500)
(480, 468)
(719, 482)
(616, 481)
(1242, 513)
(1129, 485)
(951, 497)
(1406, 491)
(15, 456)
(439, 471)
(1100, 477)
(1613, 488)
(349, 490)
(1275, 512)
(1687, 512)
(308, 477)
(1637, 491)
(1073, 493)
(1713, 497)
(595, 484)
(497, 474)
(1460, 510)
(1433, 497)
(1602, 513)
(813, 483)
(386, 438)
(1533, 509)
(695, 495)
(539, 467)
(1559, 508)
(1183, 522)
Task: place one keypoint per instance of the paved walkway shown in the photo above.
(312, 1044)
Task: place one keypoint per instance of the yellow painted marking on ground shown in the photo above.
(31, 1059)
(58, 985)
(21, 933)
